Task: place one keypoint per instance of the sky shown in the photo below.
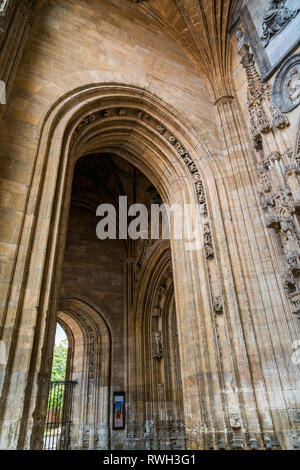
(59, 334)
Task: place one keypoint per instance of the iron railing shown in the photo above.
(59, 416)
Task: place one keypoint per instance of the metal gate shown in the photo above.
(59, 415)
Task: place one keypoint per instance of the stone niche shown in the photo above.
(272, 29)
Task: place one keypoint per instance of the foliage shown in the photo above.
(58, 374)
(59, 361)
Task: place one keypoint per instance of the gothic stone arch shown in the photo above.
(222, 406)
(90, 364)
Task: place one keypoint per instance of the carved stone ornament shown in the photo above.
(276, 16)
(235, 421)
(295, 302)
(157, 350)
(253, 443)
(297, 416)
(286, 89)
(242, 43)
(156, 312)
(162, 291)
(217, 305)
(237, 443)
(271, 442)
(208, 244)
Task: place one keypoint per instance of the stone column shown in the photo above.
(16, 14)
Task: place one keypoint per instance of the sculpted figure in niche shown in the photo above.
(276, 16)
(157, 351)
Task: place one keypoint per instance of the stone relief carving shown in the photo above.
(295, 435)
(157, 350)
(286, 89)
(297, 416)
(237, 442)
(278, 195)
(235, 421)
(156, 312)
(279, 205)
(162, 291)
(293, 86)
(242, 41)
(259, 102)
(253, 443)
(217, 305)
(271, 442)
(276, 16)
(208, 244)
(169, 272)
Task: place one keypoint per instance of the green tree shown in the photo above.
(59, 363)
(58, 374)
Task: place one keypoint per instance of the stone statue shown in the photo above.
(157, 352)
(276, 16)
